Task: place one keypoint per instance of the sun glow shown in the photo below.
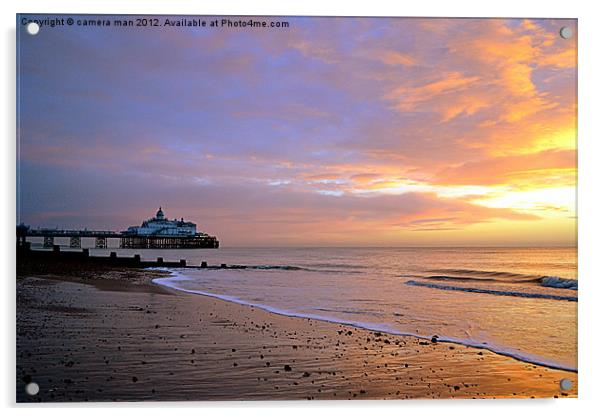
(550, 202)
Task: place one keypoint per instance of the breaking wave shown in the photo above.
(559, 282)
(270, 267)
(493, 292)
(506, 277)
(298, 268)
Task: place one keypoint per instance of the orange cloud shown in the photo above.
(408, 98)
(397, 58)
(364, 178)
(506, 170)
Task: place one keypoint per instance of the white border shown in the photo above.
(590, 68)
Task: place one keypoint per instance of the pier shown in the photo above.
(157, 232)
(126, 239)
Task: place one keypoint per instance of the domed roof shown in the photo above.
(160, 214)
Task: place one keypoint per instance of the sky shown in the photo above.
(331, 132)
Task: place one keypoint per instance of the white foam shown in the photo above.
(559, 283)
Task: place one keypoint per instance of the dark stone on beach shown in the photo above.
(192, 351)
(456, 388)
(203, 265)
(435, 338)
(287, 368)
(306, 374)
(224, 265)
(134, 379)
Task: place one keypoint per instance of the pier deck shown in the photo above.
(126, 240)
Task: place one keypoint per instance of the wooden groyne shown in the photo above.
(25, 254)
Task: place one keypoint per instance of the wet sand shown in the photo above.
(112, 335)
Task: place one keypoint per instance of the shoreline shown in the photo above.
(359, 325)
(233, 341)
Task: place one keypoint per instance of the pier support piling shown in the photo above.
(75, 242)
(101, 242)
(48, 242)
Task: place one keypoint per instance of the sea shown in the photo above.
(518, 302)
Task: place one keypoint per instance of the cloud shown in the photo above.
(357, 130)
(514, 170)
(397, 58)
(240, 212)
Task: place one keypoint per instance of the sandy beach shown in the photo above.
(113, 335)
